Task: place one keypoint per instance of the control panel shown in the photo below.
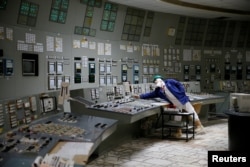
(48, 104)
(232, 86)
(126, 105)
(38, 139)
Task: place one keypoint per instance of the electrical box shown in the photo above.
(197, 69)
(48, 104)
(239, 71)
(240, 101)
(92, 68)
(78, 71)
(8, 67)
(124, 73)
(186, 69)
(136, 74)
(227, 71)
(248, 72)
(91, 72)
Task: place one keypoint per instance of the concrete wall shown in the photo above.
(17, 85)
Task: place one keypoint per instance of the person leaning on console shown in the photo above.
(173, 92)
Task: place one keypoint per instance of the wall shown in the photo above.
(17, 85)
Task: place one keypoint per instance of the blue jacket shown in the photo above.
(174, 86)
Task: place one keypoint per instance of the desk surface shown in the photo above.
(205, 98)
(232, 112)
(26, 145)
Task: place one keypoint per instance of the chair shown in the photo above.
(186, 124)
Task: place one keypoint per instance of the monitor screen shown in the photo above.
(29, 67)
(29, 64)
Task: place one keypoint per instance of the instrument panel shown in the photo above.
(38, 138)
(127, 106)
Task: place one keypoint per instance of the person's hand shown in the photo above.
(136, 96)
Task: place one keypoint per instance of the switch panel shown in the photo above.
(48, 104)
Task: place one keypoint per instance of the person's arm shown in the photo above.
(157, 93)
(148, 95)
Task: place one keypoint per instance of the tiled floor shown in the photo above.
(154, 152)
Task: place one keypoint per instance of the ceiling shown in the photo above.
(220, 9)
